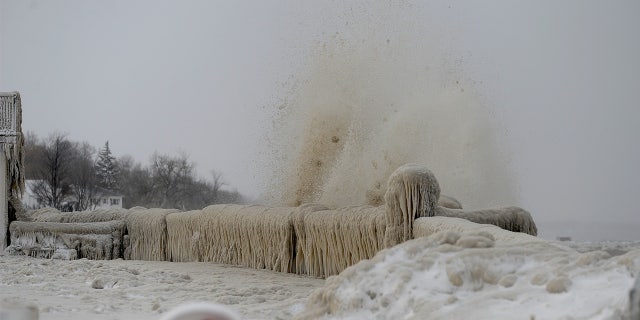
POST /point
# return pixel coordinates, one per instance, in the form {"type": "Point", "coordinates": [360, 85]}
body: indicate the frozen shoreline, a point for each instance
{"type": "Point", "coordinates": [144, 290]}
{"type": "Point", "coordinates": [134, 289]}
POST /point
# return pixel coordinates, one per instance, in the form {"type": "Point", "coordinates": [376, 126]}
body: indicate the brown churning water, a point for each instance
{"type": "Point", "coordinates": [377, 94]}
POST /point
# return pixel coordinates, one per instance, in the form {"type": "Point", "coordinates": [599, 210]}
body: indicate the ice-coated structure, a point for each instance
{"type": "Point", "coordinates": [11, 155]}
{"type": "Point", "coordinates": [309, 239]}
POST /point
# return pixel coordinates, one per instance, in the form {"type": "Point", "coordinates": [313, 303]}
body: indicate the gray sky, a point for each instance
{"type": "Point", "coordinates": [202, 77]}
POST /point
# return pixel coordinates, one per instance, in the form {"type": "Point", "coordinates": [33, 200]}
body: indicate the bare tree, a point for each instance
{"type": "Point", "coordinates": [83, 177]}
{"type": "Point", "coordinates": [54, 174]}
{"type": "Point", "coordinates": [65, 176]}
{"type": "Point", "coordinates": [171, 179]}
{"type": "Point", "coordinates": [216, 184]}
{"type": "Point", "coordinates": [135, 183]}
{"type": "Point", "coordinates": [33, 155]}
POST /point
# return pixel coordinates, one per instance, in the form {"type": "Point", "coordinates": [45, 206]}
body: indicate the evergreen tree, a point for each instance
{"type": "Point", "coordinates": [106, 170]}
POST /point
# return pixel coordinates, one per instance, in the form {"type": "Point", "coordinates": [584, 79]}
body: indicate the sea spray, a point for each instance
{"type": "Point", "coordinates": [381, 91]}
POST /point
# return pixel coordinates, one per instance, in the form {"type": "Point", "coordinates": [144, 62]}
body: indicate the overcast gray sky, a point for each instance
{"type": "Point", "coordinates": [202, 77]}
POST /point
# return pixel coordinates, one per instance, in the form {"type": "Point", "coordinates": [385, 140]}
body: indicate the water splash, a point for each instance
{"type": "Point", "coordinates": [380, 92]}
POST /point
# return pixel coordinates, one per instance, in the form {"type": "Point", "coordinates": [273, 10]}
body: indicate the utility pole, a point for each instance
{"type": "Point", "coordinates": [11, 172]}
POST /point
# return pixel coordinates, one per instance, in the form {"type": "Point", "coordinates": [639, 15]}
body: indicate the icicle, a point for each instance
{"type": "Point", "coordinates": [253, 236]}
{"type": "Point", "coordinates": [148, 233]}
{"type": "Point", "coordinates": [329, 241]}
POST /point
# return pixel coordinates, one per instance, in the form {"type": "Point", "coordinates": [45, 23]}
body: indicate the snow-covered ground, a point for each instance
{"type": "Point", "coordinates": [140, 290]}
{"type": "Point", "coordinates": [449, 275]}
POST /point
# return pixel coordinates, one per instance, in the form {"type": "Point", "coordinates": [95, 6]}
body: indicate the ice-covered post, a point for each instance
{"type": "Point", "coordinates": [412, 192]}
{"type": "Point", "coordinates": [11, 176]}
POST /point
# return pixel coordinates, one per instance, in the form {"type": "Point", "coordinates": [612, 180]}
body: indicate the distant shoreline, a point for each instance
{"type": "Point", "coordinates": [589, 230]}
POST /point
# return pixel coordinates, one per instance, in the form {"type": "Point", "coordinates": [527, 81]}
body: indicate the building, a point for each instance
{"type": "Point", "coordinates": [102, 199]}
{"type": "Point", "coordinates": [107, 199]}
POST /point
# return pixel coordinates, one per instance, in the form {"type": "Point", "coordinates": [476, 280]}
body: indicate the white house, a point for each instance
{"type": "Point", "coordinates": [106, 199]}
{"type": "Point", "coordinates": [29, 200]}
{"type": "Point", "coordinates": [103, 199]}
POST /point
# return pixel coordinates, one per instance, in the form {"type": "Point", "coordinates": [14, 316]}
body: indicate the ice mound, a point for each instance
{"type": "Point", "coordinates": [476, 272]}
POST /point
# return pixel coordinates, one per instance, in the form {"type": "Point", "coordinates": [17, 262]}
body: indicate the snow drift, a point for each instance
{"type": "Point", "coordinates": [460, 267]}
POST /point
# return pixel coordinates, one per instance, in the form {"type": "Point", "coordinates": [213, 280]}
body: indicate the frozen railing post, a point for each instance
{"type": "Point", "coordinates": [11, 176]}
{"type": "Point", "coordinates": [412, 192]}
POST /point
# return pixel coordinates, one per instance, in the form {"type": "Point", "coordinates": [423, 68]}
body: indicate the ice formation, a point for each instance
{"type": "Point", "coordinates": [310, 239]}
{"type": "Point", "coordinates": [100, 215]}
{"type": "Point", "coordinates": [409, 258]}
{"type": "Point", "coordinates": [449, 202]}
{"type": "Point", "coordinates": [91, 240]}
{"type": "Point", "coordinates": [147, 234]}
{"type": "Point", "coordinates": [509, 218]}
{"type": "Point", "coordinates": [253, 236]}
{"type": "Point", "coordinates": [328, 241]}
{"type": "Point", "coordinates": [13, 151]}
{"type": "Point", "coordinates": [412, 192]}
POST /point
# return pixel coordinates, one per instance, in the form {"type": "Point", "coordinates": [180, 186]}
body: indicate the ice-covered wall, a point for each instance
{"type": "Point", "coordinates": [147, 236]}
{"type": "Point", "coordinates": [309, 239]}
{"type": "Point", "coordinates": [329, 241]}
{"type": "Point", "coordinates": [254, 236]}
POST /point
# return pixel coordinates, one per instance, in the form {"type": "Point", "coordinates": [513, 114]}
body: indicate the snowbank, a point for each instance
{"type": "Point", "coordinates": [463, 269]}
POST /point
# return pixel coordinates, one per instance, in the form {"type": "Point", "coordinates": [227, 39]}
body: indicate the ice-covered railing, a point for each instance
{"type": "Point", "coordinates": [10, 116]}
{"type": "Point", "coordinates": [94, 240]}
{"type": "Point", "coordinates": [11, 138]}
{"type": "Point", "coordinates": [414, 193]}
{"type": "Point", "coordinates": [310, 239]}
{"type": "Point", "coordinates": [11, 166]}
